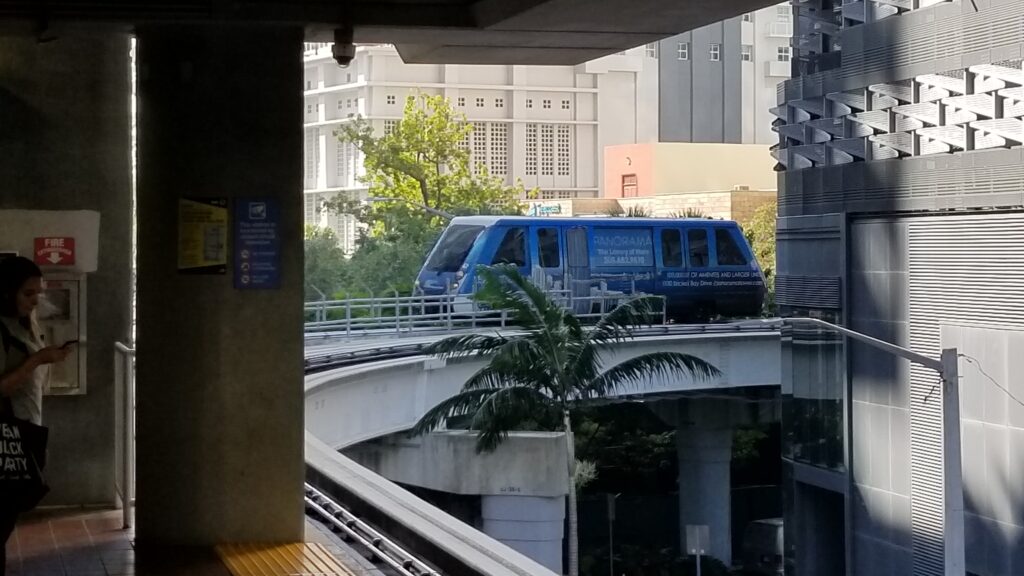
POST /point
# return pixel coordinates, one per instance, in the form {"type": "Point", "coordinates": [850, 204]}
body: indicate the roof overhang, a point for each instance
{"type": "Point", "coordinates": [424, 31]}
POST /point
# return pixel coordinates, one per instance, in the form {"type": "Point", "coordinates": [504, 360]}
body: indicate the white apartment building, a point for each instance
{"type": "Point", "coordinates": [544, 125]}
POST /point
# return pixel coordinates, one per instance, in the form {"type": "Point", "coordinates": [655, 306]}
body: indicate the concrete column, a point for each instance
{"type": "Point", "coordinates": [220, 401]}
{"type": "Point", "coordinates": [530, 525]}
{"type": "Point", "coordinates": [704, 485]}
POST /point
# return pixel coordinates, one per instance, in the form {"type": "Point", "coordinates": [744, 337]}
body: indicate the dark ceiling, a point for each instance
{"type": "Point", "coordinates": [436, 31]}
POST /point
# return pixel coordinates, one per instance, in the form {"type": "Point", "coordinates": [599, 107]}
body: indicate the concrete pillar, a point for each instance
{"type": "Point", "coordinates": [704, 485]}
{"type": "Point", "coordinates": [530, 525]}
{"type": "Point", "coordinates": [220, 371]}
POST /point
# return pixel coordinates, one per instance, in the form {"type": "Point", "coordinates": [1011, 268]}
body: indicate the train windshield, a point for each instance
{"type": "Point", "coordinates": [452, 248]}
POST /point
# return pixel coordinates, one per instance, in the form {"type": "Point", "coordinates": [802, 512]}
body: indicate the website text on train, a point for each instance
{"type": "Point", "coordinates": [702, 268]}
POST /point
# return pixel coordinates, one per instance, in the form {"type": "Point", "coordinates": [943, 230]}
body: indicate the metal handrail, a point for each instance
{"type": "Point", "coordinates": [398, 314]}
{"type": "Point", "coordinates": [124, 380]}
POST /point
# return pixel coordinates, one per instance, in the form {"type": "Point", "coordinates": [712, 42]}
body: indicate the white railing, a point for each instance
{"type": "Point", "coordinates": [397, 314]}
{"type": "Point", "coordinates": [124, 384]}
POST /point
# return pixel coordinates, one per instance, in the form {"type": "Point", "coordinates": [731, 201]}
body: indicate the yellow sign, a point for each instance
{"type": "Point", "coordinates": [203, 235]}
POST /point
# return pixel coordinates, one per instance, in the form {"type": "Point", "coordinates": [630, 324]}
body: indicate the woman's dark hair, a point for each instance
{"type": "Point", "coordinates": [14, 272]}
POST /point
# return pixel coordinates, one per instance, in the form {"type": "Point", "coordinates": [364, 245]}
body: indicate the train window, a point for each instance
{"type": "Point", "coordinates": [729, 253]}
{"type": "Point", "coordinates": [453, 248]}
{"type": "Point", "coordinates": [671, 248]}
{"type": "Point", "coordinates": [547, 240]}
{"type": "Point", "coordinates": [698, 240]}
{"type": "Point", "coordinates": [512, 249]}
{"type": "Point", "coordinates": [576, 252]}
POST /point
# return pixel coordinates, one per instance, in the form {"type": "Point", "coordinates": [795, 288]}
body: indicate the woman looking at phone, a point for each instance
{"type": "Point", "coordinates": [23, 360]}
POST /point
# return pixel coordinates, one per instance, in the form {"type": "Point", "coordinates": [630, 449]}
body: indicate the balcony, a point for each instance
{"type": "Point", "coordinates": [780, 29]}
{"type": "Point", "coordinates": [777, 69]}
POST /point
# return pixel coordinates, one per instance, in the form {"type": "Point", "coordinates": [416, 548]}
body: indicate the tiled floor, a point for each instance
{"type": "Point", "coordinates": [92, 543]}
{"type": "Point", "coordinates": [71, 542]}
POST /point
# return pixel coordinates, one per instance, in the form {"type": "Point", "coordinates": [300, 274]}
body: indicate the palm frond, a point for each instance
{"type": "Point", "coordinates": [619, 324]}
{"type": "Point", "coordinates": [461, 404]}
{"type": "Point", "coordinates": [503, 410]}
{"type": "Point", "coordinates": [504, 288]}
{"type": "Point", "coordinates": [465, 345]}
{"type": "Point", "coordinates": [641, 369]}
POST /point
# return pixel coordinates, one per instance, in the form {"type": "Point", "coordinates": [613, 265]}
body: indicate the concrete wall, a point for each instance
{"type": "Point", "coordinates": [738, 205]}
{"type": "Point", "coordinates": [672, 168]}
{"type": "Point", "coordinates": [525, 464]}
{"type": "Point", "coordinates": [220, 371]}
{"type": "Point", "coordinates": [64, 145]}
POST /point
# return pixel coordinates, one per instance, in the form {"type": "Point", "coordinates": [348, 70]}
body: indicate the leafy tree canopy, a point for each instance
{"type": "Point", "coordinates": [422, 159]}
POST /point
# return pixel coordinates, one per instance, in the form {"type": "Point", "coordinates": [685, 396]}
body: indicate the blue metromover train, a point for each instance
{"type": "Point", "coordinates": [701, 267]}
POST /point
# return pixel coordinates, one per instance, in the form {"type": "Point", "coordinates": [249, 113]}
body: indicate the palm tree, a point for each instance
{"type": "Point", "coordinates": [550, 364]}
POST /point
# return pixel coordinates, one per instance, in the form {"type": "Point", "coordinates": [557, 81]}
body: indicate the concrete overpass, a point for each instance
{"type": "Point", "coordinates": [522, 485]}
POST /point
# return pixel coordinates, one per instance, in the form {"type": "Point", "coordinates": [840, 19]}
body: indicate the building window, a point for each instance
{"type": "Point", "coordinates": [529, 102]}
{"type": "Point", "coordinates": [348, 78]}
{"type": "Point", "coordinates": [564, 150]}
{"type": "Point", "coordinates": [341, 104]}
{"type": "Point", "coordinates": [547, 150]}
{"type": "Point", "coordinates": [462, 101]}
{"type": "Point", "coordinates": [746, 53]}
{"type": "Point", "coordinates": [715, 52]}
{"type": "Point", "coordinates": [309, 84]}
{"type": "Point", "coordinates": [782, 13]}
{"type": "Point", "coordinates": [389, 127]}
{"type": "Point", "coordinates": [547, 104]}
{"type": "Point", "coordinates": [748, 17]}
{"type": "Point", "coordinates": [478, 148]}
{"type": "Point", "coordinates": [479, 102]}
{"type": "Point", "coordinates": [498, 143]}
{"type": "Point", "coordinates": [531, 149]}
{"type": "Point", "coordinates": [683, 50]}
{"type": "Point", "coordinates": [629, 186]}
{"type": "Point", "coordinates": [499, 102]}
{"type": "Point", "coordinates": [309, 108]}
{"type": "Point", "coordinates": [785, 53]}
{"type": "Point", "coordinates": [565, 104]}
{"type": "Point", "coordinates": [312, 153]}
{"type": "Point", "coordinates": [651, 50]}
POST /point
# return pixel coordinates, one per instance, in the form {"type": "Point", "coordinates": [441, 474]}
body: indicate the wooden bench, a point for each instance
{"type": "Point", "coordinates": [298, 559]}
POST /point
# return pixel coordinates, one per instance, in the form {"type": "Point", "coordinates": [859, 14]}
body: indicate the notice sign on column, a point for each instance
{"type": "Point", "coordinates": [202, 235]}
{"type": "Point", "coordinates": [257, 243]}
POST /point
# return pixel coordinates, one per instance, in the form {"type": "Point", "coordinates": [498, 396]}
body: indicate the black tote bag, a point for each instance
{"type": "Point", "coordinates": [22, 457]}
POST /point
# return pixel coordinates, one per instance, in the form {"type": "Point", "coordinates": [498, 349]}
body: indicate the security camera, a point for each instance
{"type": "Point", "coordinates": [344, 51]}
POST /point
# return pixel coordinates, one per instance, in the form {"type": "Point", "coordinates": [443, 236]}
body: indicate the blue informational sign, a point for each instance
{"type": "Point", "coordinates": [622, 247]}
{"type": "Point", "coordinates": [257, 243]}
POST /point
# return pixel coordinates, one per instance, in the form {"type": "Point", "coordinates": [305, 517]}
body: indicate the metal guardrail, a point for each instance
{"type": "Point", "coordinates": [398, 314]}
{"type": "Point", "coordinates": [340, 520]}
{"type": "Point", "coordinates": [124, 385]}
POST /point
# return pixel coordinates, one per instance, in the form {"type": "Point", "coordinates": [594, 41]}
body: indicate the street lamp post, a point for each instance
{"type": "Point", "coordinates": [952, 481]}
{"type": "Point", "coordinates": [427, 209]}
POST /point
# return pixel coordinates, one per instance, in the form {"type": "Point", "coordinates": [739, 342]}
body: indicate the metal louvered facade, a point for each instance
{"type": "Point", "coordinates": [963, 270]}
{"type": "Point", "coordinates": [901, 185]}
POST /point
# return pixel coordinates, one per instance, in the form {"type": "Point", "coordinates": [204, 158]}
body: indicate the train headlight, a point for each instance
{"type": "Point", "coordinates": [460, 274]}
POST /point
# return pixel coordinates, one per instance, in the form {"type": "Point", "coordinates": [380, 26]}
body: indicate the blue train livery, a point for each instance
{"type": "Point", "coordinates": [701, 267]}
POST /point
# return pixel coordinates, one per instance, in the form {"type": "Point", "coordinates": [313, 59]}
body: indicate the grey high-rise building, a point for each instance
{"type": "Point", "coordinates": [718, 83]}
{"type": "Point", "coordinates": [901, 214]}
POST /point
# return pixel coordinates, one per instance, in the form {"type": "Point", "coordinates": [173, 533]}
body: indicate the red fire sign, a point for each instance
{"type": "Point", "coordinates": [55, 251]}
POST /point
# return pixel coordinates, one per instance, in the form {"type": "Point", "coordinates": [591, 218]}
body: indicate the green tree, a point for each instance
{"type": "Point", "coordinates": [551, 365]}
{"type": "Point", "coordinates": [324, 263]}
{"type": "Point", "coordinates": [422, 159]}
{"type": "Point", "coordinates": [760, 232]}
